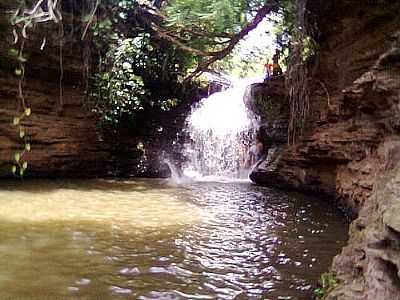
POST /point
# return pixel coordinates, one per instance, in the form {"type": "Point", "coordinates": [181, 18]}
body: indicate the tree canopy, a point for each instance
{"type": "Point", "coordinates": [149, 51]}
{"type": "Point", "coordinates": [210, 30]}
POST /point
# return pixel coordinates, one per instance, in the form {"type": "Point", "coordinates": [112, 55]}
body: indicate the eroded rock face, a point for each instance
{"type": "Point", "coordinates": [67, 140]}
{"type": "Point", "coordinates": [352, 150]}
{"type": "Point", "coordinates": [353, 103]}
{"type": "Point", "coordinates": [269, 101]}
{"type": "Point", "coordinates": [369, 267]}
{"type": "Point", "coordinates": [59, 143]}
{"type": "Point", "coordinates": [71, 143]}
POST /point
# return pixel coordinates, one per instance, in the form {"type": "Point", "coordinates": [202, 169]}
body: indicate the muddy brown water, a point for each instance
{"type": "Point", "coordinates": [148, 239]}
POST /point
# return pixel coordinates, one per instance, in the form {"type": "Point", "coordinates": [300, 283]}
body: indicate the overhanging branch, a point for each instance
{"type": "Point", "coordinates": [151, 18]}
{"type": "Point", "coordinates": [261, 13]}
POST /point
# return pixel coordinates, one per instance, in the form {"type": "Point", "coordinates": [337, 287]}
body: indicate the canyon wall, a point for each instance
{"type": "Point", "coordinates": [353, 103]}
{"type": "Point", "coordinates": [66, 138]}
{"type": "Point", "coordinates": [352, 145]}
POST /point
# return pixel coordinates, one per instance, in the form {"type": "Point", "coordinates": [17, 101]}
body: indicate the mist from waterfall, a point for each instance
{"type": "Point", "coordinates": [220, 133]}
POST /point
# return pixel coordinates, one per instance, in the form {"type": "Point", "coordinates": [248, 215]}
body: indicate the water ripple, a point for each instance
{"type": "Point", "coordinates": [147, 240]}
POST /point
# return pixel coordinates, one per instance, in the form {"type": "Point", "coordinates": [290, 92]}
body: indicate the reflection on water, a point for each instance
{"type": "Point", "coordinates": [147, 240]}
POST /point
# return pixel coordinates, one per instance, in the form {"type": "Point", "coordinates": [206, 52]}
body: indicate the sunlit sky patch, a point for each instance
{"type": "Point", "coordinates": [261, 37]}
{"type": "Point", "coordinates": [258, 46]}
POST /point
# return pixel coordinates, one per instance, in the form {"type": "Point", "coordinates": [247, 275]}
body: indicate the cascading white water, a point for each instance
{"type": "Point", "coordinates": [220, 132]}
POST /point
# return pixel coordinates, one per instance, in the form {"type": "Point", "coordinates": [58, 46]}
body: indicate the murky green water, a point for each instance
{"type": "Point", "coordinates": [101, 239]}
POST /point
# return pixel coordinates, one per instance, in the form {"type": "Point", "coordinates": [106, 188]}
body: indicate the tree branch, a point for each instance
{"type": "Point", "coordinates": [207, 34]}
{"type": "Point", "coordinates": [164, 34]}
{"type": "Point", "coordinates": [152, 17]}
{"type": "Point", "coordinates": [215, 56]}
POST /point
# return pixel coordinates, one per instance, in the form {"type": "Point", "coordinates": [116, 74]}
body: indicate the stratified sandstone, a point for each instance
{"type": "Point", "coordinates": [66, 138]}
{"type": "Point", "coordinates": [353, 104]}
{"type": "Point", "coordinates": [352, 144]}
{"type": "Point", "coordinates": [368, 267]}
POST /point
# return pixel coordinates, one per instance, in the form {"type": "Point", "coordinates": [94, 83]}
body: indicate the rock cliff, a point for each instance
{"type": "Point", "coordinates": [66, 138]}
{"type": "Point", "coordinates": [353, 103]}
{"type": "Point", "coordinates": [368, 267]}
{"type": "Point", "coordinates": [352, 144]}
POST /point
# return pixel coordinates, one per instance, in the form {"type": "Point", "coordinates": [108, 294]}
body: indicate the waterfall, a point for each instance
{"type": "Point", "coordinates": [220, 132]}
{"type": "Point", "coordinates": [175, 174]}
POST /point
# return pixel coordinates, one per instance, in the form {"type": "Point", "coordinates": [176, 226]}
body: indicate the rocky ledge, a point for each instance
{"type": "Point", "coordinates": [69, 143]}
{"type": "Point", "coordinates": [351, 150]}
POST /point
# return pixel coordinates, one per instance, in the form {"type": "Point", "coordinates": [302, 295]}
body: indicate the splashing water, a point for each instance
{"type": "Point", "coordinates": [220, 130]}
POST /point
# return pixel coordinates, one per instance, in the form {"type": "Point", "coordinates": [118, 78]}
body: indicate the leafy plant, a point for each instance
{"type": "Point", "coordinates": [20, 165]}
{"type": "Point", "coordinates": [119, 90]}
{"type": "Point", "coordinates": [328, 282]}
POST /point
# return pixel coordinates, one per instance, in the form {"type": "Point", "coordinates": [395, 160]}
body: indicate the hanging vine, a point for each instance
{"type": "Point", "coordinates": [303, 46]}
{"type": "Point", "coordinates": [23, 20]}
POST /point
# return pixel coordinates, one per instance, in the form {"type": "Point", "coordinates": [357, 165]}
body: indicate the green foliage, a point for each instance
{"type": "Point", "coordinates": [135, 71]}
{"type": "Point", "coordinates": [286, 25]}
{"type": "Point", "coordinates": [168, 104]}
{"type": "Point", "coordinates": [104, 32]}
{"type": "Point", "coordinates": [310, 48]}
{"type": "Point", "coordinates": [138, 73]}
{"type": "Point", "coordinates": [328, 283]}
{"type": "Point", "coordinates": [20, 165]}
{"type": "Point", "coordinates": [207, 15]}
{"type": "Point", "coordinates": [291, 32]}
{"type": "Point", "coordinates": [208, 24]}
{"type": "Point", "coordinates": [119, 90]}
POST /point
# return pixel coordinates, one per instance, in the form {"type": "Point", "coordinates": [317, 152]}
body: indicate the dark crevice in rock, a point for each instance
{"type": "Point", "coordinates": [391, 270]}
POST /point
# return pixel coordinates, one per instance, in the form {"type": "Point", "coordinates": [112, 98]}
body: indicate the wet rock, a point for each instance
{"type": "Point", "coordinates": [351, 148]}
{"type": "Point", "coordinates": [269, 101]}
{"type": "Point", "coordinates": [368, 268]}
{"type": "Point", "coordinates": [354, 109]}
{"type": "Point", "coordinates": [265, 172]}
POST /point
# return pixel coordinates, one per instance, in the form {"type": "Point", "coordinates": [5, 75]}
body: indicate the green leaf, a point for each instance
{"type": "Point", "coordinates": [28, 111]}
{"type": "Point", "coordinates": [86, 18]}
{"type": "Point", "coordinates": [25, 165]}
{"type": "Point", "coordinates": [14, 169]}
{"type": "Point", "coordinates": [16, 121]}
{"type": "Point", "coordinates": [22, 59]}
{"type": "Point", "coordinates": [18, 72]}
{"type": "Point", "coordinates": [28, 147]}
{"type": "Point", "coordinates": [17, 157]}
{"type": "Point", "coordinates": [13, 52]}
{"type": "Point", "coordinates": [21, 133]}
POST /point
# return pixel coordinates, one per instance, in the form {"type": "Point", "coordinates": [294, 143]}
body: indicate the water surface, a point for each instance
{"type": "Point", "coordinates": [146, 239]}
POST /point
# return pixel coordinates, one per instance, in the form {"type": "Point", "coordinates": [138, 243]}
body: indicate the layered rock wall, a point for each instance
{"type": "Point", "coordinates": [352, 149]}
{"type": "Point", "coordinates": [353, 102]}
{"type": "Point", "coordinates": [66, 138]}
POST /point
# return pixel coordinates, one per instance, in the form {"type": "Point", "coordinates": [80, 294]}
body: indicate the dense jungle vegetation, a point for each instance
{"type": "Point", "coordinates": [143, 58]}
{"type": "Point", "coordinates": [149, 53]}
